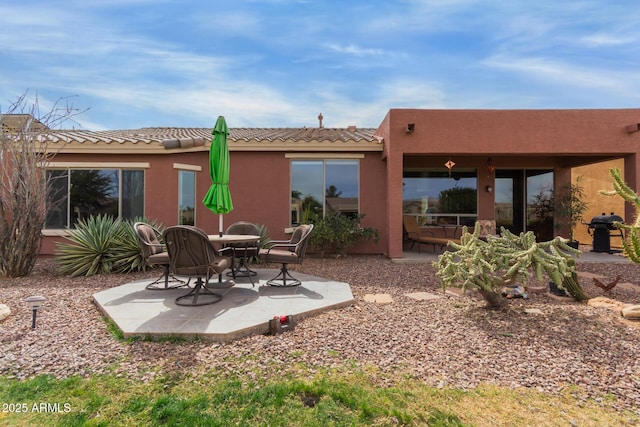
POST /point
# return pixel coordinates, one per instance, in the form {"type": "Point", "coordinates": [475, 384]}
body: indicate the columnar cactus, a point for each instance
{"type": "Point", "coordinates": [488, 264]}
{"type": "Point", "coordinates": [631, 243]}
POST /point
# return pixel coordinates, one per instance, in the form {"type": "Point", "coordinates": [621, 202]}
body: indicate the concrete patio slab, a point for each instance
{"type": "Point", "coordinates": [244, 310]}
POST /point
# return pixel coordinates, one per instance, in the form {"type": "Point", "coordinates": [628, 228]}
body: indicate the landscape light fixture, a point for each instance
{"type": "Point", "coordinates": [34, 303]}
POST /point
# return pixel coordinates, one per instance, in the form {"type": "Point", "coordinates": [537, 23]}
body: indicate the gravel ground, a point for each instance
{"type": "Point", "coordinates": [450, 341]}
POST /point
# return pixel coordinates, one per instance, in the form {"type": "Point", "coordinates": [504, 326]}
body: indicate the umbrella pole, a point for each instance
{"type": "Point", "coordinates": [220, 234]}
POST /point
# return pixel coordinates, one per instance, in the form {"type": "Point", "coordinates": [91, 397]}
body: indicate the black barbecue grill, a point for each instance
{"type": "Point", "coordinates": [602, 227]}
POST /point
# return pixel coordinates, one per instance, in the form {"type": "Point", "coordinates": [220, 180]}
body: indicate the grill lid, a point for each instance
{"type": "Point", "coordinates": [605, 221]}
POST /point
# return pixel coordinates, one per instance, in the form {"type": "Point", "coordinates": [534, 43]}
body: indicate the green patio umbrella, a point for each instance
{"type": "Point", "coordinates": [218, 198]}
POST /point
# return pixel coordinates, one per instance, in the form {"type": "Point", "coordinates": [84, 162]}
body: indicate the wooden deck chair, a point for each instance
{"type": "Point", "coordinates": [415, 234]}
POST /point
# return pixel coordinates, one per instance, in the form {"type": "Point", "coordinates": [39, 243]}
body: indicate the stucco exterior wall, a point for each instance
{"type": "Point", "coordinates": [596, 177]}
{"type": "Point", "coordinates": [556, 139]}
{"type": "Point", "coordinates": [260, 189]}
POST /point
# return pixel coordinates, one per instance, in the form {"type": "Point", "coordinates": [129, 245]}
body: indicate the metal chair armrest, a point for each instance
{"type": "Point", "coordinates": [286, 245]}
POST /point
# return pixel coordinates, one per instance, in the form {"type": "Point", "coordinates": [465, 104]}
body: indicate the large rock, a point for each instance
{"type": "Point", "coordinates": [607, 303]}
{"type": "Point", "coordinates": [5, 311]}
{"type": "Point", "coordinates": [631, 312]}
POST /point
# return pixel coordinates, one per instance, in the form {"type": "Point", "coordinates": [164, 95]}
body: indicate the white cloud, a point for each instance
{"type": "Point", "coordinates": [280, 63]}
{"type": "Point", "coordinates": [352, 49]}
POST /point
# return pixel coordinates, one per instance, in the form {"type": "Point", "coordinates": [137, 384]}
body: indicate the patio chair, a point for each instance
{"type": "Point", "coordinates": [243, 251]}
{"type": "Point", "coordinates": [154, 254]}
{"type": "Point", "coordinates": [192, 254]}
{"type": "Point", "coordinates": [286, 252]}
{"type": "Point", "coordinates": [415, 234]}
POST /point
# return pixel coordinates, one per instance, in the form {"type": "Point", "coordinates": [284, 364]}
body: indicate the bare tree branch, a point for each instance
{"type": "Point", "coordinates": [25, 188]}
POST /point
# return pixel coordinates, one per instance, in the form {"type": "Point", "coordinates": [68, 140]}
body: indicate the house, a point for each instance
{"type": "Point", "coordinates": [163, 174]}
{"type": "Point", "coordinates": [447, 167]}
{"type": "Point", "coordinates": [512, 158]}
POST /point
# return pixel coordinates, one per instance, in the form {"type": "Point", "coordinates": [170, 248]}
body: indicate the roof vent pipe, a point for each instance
{"type": "Point", "coordinates": [320, 120]}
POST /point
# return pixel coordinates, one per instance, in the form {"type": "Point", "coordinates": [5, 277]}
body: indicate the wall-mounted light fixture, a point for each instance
{"type": "Point", "coordinates": [34, 304]}
{"type": "Point", "coordinates": [633, 128]}
{"type": "Point", "coordinates": [411, 127]}
{"type": "Point", "coordinates": [450, 164]}
{"type": "Point", "coordinates": [489, 188]}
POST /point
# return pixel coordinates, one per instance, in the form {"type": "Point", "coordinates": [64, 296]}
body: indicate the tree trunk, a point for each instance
{"type": "Point", "coordinates": [494, 300]}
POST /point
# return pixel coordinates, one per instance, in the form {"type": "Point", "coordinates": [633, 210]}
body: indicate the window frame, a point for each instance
{"type": "Point", "coordinates": [69, 167]}
{"type": "Point", "coordinates": [181, 173]}
{"type": "Point", "coordinates": [435, 217]}
{"type": "Point", "coordinates": [323, 158]}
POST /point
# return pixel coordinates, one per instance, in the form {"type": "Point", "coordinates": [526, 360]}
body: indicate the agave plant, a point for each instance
{"type": "Point", "coordinates": [100, 244]}
{"type": "Point", "coordinates": [90, 249]}
{"type": "Point", "coordinates": [126, 251]}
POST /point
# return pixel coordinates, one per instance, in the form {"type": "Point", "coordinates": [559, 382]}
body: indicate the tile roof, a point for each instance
{"type": "Point", "coordinates": [20, 123]}
{"type": "Point", "coordinates": [302, 134]}
{"type": "Point", "coordinates": [239, 138]}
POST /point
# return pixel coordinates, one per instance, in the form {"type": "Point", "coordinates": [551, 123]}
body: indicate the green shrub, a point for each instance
{"type": "Point", "coordinates": [336, 234]}
{"type": "Point", "coordinates": [100, 244]}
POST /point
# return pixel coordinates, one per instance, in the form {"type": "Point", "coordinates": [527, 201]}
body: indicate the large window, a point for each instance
{"type": "Point", "coordinates": [322, 186]}
{"type": "Point", "coordinates": [76, 194]}
{"type": "Point", "coordinates": [186, 197]}
{"type": "Point", "coordinates": [437, 197]}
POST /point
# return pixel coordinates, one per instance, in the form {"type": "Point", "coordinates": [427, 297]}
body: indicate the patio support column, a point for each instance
{"type": "Point", "coordinates": [562, 177]}
{"type": "Point", "coordinates": [394, 203]}
{"type": "Point", "coordinates": [486, 199]}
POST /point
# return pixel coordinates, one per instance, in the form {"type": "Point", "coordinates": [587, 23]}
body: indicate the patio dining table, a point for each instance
{"type": "Point", "coordinates": [235, 239]}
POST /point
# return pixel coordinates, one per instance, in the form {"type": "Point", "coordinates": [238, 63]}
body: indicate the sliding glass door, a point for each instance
{"type": "Point", "coordinates": [524, 201]}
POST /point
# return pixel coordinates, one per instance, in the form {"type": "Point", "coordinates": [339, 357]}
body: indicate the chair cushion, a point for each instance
{"type": "Point", "coordinates": [278, 255]}
{"type": "Point", "coordinates": [297, 234]}
{"type": "Point", "coordinates": [221, 264]}
{"type": "Point", "coordinates": [159, 258]}
{"type": "Point", "coordinates": [148, 235]}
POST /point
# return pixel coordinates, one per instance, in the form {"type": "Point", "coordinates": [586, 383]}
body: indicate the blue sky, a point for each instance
{"type": "Point", "coordinates": [279, 63]}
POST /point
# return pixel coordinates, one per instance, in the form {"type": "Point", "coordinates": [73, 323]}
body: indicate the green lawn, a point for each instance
{"type": "Point", "coordinates": [312, 398]}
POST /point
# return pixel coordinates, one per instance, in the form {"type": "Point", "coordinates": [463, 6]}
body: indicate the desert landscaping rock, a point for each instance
{"type": "Point", "coordinates": [628, 286]}
{"type": "Point", "coordinates": [5, 311]}
{"type": "Point", "coordinates": [378, 298]}
{"type": "Point", "coordinates": [631, 312]}
{"type": "Point", "coordinates": [451, 342]}
{"type": "Point", "coordinates": [606, 302]}
{"type": "Point", "coordinates": [423, 296]}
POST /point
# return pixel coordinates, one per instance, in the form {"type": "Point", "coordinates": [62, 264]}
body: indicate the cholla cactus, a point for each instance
{"type": "Point", "coordinates": [488, 264]}
{"type": "Point", "coordinates": [631, 243]}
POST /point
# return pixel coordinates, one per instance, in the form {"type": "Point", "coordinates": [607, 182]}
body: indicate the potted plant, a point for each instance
{"type": "Point", "coordinates": [570, 205]}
